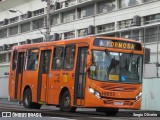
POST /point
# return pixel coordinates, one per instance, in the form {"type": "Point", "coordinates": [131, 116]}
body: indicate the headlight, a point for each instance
{"type": "Point", "coordinates": [138, 96]}
{"type": "Point", "coordinates": [91, 90]}
{"type": "Point", "coordinates": [94, 92]}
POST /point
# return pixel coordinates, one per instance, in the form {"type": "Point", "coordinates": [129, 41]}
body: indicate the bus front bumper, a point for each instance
{"type": "Point", "coordinates": [93, 101]}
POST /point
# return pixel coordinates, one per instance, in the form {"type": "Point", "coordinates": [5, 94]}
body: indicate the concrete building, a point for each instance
{"type": "Point", "coordinates": [134, 19]}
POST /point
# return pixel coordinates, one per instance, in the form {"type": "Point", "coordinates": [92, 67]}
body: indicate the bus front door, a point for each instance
{"type": "Point", "coordinates": [43, 75]}
{"type": "Point", "coordinates": [80, 78]}
{"type": "Point", "coordinates": [19, 75]}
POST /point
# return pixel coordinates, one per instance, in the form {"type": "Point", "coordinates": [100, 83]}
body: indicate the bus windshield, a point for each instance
{"type": "Point", "coordinates": [116, 67]}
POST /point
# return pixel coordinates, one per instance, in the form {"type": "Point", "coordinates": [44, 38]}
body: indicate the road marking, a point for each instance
{"type": "Point", "coordinates": [114, 118]}
{"type": "Point", "coordinates": [60, 118]}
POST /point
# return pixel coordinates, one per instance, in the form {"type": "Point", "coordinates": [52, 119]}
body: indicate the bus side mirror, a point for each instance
{"type": "Point", "coordinates": [89, 59]}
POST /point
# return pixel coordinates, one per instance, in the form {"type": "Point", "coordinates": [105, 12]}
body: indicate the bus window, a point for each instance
{"type": "Point", "coordinates": [69, 57]}
{"type": "Point", "coordinates": [116, 67]}
{"type": "Point", "coordinates": [57, 58]}
{"type": "Point", "coordinates": [32, 59]}
{"type": "Point", "coordinates": [14, 60]}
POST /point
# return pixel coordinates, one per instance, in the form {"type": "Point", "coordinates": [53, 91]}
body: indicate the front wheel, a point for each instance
{"type": "Point", "coordinates": [65, 103]}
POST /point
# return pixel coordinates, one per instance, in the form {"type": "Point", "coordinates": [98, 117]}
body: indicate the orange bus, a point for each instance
{"type": "Point", "coordinates": [93, 72]}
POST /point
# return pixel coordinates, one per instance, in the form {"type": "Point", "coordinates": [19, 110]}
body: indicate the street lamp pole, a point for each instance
{"type": "Point", "coordinates": [48, 20]}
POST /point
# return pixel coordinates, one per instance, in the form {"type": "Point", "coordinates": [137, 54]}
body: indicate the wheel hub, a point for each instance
{"type": "Point", "coordinates": [67, 102]}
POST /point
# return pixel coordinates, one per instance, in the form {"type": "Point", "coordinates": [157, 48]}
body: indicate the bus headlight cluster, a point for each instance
{"type": "Point", "coordinates": [138, 96]}
{"type": "Point", "coordinates": [94, 92]}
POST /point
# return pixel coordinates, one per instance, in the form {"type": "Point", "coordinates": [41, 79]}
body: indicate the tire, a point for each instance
{"type": "Point", "coordinates": [27, 100]}
{"type": "Point", "coordinates": [65, 102]}
{"type": "Point", "coordinates": [108, 111]}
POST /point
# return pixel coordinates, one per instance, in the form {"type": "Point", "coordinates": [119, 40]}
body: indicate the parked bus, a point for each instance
{"type": "Point", "coordinates": [94, 72]}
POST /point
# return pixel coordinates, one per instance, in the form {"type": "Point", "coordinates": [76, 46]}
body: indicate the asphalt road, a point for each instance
{"type": "Point", "coordinates": [50, 112]}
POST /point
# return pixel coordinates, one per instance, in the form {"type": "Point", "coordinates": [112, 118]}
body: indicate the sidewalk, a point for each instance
{"type": "Point", "coordinates": [6, 101]}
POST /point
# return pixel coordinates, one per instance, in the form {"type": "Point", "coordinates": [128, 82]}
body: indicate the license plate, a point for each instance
{"type": "Point", "coordinates": [118, 103]}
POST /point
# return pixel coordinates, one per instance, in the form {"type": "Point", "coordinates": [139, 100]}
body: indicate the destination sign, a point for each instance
{"type": "Point", "coordinates": [117, 44]}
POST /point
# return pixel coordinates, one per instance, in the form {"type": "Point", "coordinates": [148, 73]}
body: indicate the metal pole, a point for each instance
{"type": "Point", "coordinates": [157, 49]}
{"type": "Point", "coordinates": [48, 20]}
{"type": "Point", "coordinates": [144, 42]}
{"type": "Point", "coordinates": [157, 41]}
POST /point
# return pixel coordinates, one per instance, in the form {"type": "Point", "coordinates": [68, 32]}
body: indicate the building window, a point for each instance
{"type": "Point", "coordinates": [55, 19]}
{"type": "Point", "coordinates": [15, 19]}
{"type": "Point", "coordinates": [38, 23]}
{"type": "Point", "coordinates": [38, 12]}
{"type": "Point", "coordinates": [24, 16]}
{"type": "Point", "coordinates": [135, 35]}
{"type": "Point", "coordinates": [149, 0]}
{"type": "Point", "coordinates": [38, 40]}
{"type": "Point", "coordinates": [3, 33]}
{"type": "Point", "coordinates": [58, 58]}
{"type": "Point", "coordinates": [131, 35]}
{"type": "Point", "coordinates": [85, 11]}
{"type": "Point", "coordinates": [23, 42]}
{"type": "Point", "coordinates": [68, 16]}
{"type": "Point", "coordinates": [68, 35]}
{"type": "Point", "coordinates": [1, 48]}
{"type": "Point", "coordinates": [32, 59]}
{"type": "Point", "coordinates": [25, 27]}
{"type": "Point", "coordinates": [13, 30]}
{"type": "Point", "coordinates": [69, 57]}
{"type": "Point", "coordinates": [126, 34]}
{"type": "Point", "coordinates": [125, 24]}
{"type": "Point", "coordinates": [3, 58]}
{"type": "Point", "coordinates": [128, 3]}
{"type": "Point", "coordinates": [70, 3]}
{"type": "Point", "coordinates": [1, 23]}
{"type": "Point", "coordinates": [106, 6]}
{"type": "Point", "coordinates": [106, 27]}
{"type": "Point", "coordinates": [152, 19]}
{"type": "Point", "coordinates": [67, 3]}
{"type": "Point", "coordinates": [151, 35]}
{"type": "Point", "coordinates": [83, 1]}
{"type": "Point", "coordinates": [82, 32]}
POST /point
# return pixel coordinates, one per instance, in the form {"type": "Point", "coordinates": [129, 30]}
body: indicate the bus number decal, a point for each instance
{"type": "Point", "coordinates": [111, 94]}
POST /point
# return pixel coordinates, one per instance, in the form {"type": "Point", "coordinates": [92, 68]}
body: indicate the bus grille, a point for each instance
{"type": "Point", "coordinates": [119, 88]}
{"type": "Point", "coordinates": [111, 102]}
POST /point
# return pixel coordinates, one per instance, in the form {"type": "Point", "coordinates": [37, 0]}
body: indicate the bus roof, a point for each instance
{"type": "Point", "coordinates": [72, 41]}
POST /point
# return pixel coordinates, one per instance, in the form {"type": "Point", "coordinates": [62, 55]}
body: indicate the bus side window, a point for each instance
{"type": "Point", "coordinates": [69, 57]}
{"type": "Point", "coordinates": [14, 60]}
{"type": "Point", "coordinates": [32, 59]}
{"type": "Point", "coordinates": [57, 58]}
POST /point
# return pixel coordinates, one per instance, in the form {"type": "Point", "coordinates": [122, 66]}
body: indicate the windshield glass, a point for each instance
{"type": "Point", "coordinates": [116, 67]}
